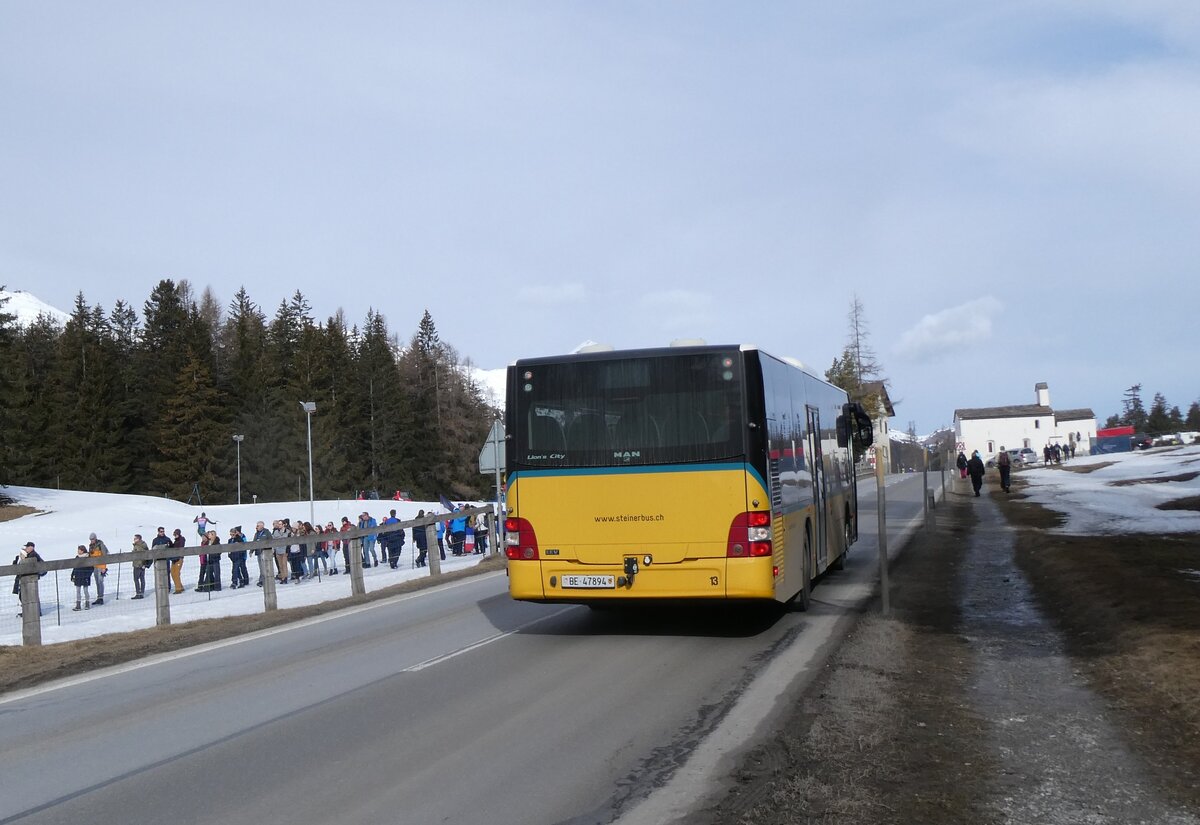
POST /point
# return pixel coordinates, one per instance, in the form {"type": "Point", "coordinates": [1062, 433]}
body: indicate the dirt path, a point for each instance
{"type": "Point", "coordinates": [1061, 758]}
{"type": "Point", "coordinates": [963, 707]}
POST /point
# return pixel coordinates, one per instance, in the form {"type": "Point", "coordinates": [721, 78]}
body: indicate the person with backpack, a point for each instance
{"type": "Point", "coordinates": [1004, 465]}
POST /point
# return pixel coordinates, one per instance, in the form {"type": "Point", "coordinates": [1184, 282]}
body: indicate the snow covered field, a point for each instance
{"type": "Point", "coordinates": [1123, 497]}
{"type": "Point", "coordinates": [65, 519]}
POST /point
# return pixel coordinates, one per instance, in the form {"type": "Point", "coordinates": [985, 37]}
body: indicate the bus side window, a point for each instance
{"type": "Point", "coordinates": [545, 433]}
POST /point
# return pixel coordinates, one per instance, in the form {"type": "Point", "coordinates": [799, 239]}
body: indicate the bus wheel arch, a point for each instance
{"type": "Point", "coordinates": [802, 599]}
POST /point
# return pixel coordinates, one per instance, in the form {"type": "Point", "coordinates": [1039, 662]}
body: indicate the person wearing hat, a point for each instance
{"type": "Point", "coordinates": [96, 547]}
{"type": "Point", "coordinates": [26, 553]}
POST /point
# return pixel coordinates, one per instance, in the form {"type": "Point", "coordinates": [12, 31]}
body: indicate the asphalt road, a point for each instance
{"type": "Point", "coordinates": [453, 705]}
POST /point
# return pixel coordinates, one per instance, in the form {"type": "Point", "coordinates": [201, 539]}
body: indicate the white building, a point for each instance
{"type": "Point", "coordinates": [990, 429]}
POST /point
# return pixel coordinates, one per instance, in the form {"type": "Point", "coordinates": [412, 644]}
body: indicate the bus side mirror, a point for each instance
{"type": "Point", "coordinates": [864, 430]}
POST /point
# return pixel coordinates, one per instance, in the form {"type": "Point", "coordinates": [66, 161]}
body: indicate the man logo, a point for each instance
{"type": "Point", "coordinates": [627, 455]}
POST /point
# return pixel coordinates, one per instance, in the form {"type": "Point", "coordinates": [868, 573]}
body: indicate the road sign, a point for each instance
{"type": "Point", "coordinates": [491, 456]}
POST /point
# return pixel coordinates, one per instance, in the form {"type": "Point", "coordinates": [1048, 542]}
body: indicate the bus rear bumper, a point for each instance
{"type": "Point", "coordinates": [718, 578]}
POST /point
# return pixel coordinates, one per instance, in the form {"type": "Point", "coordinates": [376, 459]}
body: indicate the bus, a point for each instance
{"type": "Point", "coordinates": [681, 473]}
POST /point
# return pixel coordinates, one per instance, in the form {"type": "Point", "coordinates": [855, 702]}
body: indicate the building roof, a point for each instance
{"type": "Point", "coordinates": [1011, 411]}
{"type": "Point", "coordinates": [1041, 385]}
{"type": "Point", "coordinates": [1074, 415]}
{"type": "Point", "coordinates": [878, 388]}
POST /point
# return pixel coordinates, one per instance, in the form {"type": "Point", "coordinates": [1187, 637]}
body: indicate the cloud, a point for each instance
{"type": "Point", "coordinates": [552, 294]}
{"type": "Point", "coordinates": [962, 326]}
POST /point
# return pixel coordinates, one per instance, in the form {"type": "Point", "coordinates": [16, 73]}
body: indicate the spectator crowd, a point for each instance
{"type": "Point", "coordinates": [313, 550]}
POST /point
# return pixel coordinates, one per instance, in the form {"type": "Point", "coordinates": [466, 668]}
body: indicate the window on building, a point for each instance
{"type": "Point", "coordinates": [1037, 425]}
{"type": "Point", "coordinates": [991, 449]}
{"type": "Point", "coordinates": [1027, 444]}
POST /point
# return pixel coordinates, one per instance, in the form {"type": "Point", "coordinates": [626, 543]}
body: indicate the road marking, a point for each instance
{"type": "Point", "coordinates": [436, 660]}
{"type": "Point", "coordinates": [163, 658]}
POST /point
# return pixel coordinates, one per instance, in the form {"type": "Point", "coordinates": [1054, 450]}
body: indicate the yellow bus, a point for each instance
{"type": "Point", "coordinates": [699, 472]}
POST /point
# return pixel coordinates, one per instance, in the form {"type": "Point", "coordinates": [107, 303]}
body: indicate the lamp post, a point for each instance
{"type": "Point", "coordinates": [238, 440]}
{"type": "Point", "coordinates": [309, 408]}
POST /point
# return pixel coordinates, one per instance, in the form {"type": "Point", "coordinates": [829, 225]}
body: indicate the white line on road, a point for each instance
{"type": "Point", "coordinates": [476, 645]}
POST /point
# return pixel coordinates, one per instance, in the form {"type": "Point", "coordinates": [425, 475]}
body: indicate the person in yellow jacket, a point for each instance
{"type": "Point", "coordinates": [96, 547]}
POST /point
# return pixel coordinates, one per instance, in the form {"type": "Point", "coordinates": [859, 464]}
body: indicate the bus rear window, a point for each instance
{"type": "Point", "coordinates": [615, 412]}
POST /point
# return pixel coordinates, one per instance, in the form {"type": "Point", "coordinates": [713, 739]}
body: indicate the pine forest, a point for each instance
{"type": "Point", "coordinates": [114, 402]}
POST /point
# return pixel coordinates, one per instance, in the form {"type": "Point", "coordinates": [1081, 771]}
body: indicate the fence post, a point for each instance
{"type": "Point", "coordinates": [31, 607]}
{"type": "Point", "coordinates": [434, 555]}
{"type": "Point", "coordinates": [358, 587]}
{"type": "Point", "coordinates": [162, 598]}
{"type": "Point", "coordinates": [266, 569]}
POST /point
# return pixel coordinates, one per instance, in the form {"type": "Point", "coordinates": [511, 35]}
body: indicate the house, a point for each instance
{"type": "Point", "coordinates": [879, 406]}
{"type": "Point", "coordinates": [989, 429]}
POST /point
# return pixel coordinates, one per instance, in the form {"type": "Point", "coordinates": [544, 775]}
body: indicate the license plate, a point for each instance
{"type": "Point", "coordinates": [592, 582]}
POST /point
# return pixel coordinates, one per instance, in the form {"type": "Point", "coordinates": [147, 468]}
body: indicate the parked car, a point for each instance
{"type": "Point", "coordinates": [1028, 456]}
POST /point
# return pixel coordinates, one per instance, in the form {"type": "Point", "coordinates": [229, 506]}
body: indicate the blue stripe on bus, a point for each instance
{"type": "Point", "coordinates": [660, 468]}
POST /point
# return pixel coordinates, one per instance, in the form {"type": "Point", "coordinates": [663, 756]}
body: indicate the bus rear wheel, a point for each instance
{"type": "Point", "coordinates": [802, 599]}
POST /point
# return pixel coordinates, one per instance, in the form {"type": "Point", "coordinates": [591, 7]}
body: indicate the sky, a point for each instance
{"type": "Point", "coordinates": [1010, 188]}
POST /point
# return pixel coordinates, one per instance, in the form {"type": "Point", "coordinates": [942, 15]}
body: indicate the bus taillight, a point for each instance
{"type": "Point", "coordinates": [749, 535]}
{"type": "Point", "coordinates": [520, 540]}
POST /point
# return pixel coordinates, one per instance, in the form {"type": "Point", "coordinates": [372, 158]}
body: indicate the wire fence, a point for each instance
{"type": "Point", "coordinates": [111, 603]}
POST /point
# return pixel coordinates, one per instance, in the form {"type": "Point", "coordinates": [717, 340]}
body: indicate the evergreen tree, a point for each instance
{"type": "Point", "coordinates": [195, 444]}
{"type": "Point", "coordinates": [88, 429]}
{"type": "Point", "coordinates": [243, 337]}
{"type": "Point", "coordinates": [1175, 417]}
{"type": "Point", "coordinates": [1193, 416]}
{"type": "Point", "coordinates": [32, 455]}
{"type": "Point", "coordinates": [1134, 414]}
{"type": "Point", "coordinates": [1158, 421]}
{"type": "Point", "coordinates": [385, 408]}
{"type": "Point", "coordinates": [1112, 421]}
{"type": "Point", "coordinates": [7, 411]}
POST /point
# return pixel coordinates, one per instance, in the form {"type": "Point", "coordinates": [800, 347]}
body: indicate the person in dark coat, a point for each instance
{"type": "Point", "coordinates": [240, 577]}
{"type": "Point", "coordinates": [393, 542]}
{"type": "Point", "coordinates": [975, 471]}
{"type": "Point", "coordinates": [421, 540]}
{"type": "Point", "coordinates": [961, 464]}
{"type": "Point", "coordinates": [81, 577]}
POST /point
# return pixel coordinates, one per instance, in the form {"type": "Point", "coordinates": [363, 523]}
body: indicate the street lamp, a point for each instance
{"type": "Point", "coordinates": [309, 408]}
{"type": "Point", "coordinates": [238, 440]}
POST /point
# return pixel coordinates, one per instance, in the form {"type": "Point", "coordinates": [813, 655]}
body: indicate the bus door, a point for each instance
{"type": "Point", "coordinates": [817, 466]}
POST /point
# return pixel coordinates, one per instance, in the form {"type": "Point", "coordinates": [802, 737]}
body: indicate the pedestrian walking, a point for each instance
{"type": "Point", "coordinates": [975, 471]}
{"type": "Point", "coordinates": [1004, 465]}
{"type": "Point", "coordinates": [961, 463]}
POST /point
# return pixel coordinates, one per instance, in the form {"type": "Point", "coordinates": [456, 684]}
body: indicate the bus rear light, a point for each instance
{"type": "Point", "coordinates": [749, 535]}
{"type": "Point", "coordinates": [520, 540]}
